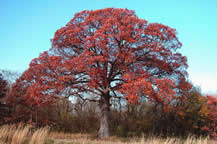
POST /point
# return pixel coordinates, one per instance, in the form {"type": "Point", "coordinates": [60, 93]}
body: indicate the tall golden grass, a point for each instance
{"type": "Point", "coordinates": [12, 134]}
{"type": "Point", "coordinates": [19, 135]}
{"type": "Point", "coordinates": [39, 136]}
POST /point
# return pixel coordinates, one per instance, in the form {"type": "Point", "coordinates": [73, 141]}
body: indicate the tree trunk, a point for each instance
{"type": "Point", "coordinates": [104, 119]}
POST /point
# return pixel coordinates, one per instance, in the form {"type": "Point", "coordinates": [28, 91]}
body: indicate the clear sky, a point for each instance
{"type": "Point", "coordinates": [26, 27]}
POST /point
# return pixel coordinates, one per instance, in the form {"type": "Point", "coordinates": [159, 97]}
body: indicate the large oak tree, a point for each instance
{"type": "Point", "coordinates": [105, 54]}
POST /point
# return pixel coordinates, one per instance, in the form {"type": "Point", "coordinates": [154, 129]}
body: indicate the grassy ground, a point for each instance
{"type": "Point", "coordinates": [61, 138]}
{"type": "Point", "coordinates": [25, 135]}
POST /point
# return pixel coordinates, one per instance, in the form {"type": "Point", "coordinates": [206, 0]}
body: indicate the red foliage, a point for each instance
{"type": "Point", "coordinates": [212, 116]}
{"type": "Point", "coordinates": [108, 53]}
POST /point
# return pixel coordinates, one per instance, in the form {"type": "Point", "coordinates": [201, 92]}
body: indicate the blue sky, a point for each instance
{"type": "Point", "coordinates": [26, 27]}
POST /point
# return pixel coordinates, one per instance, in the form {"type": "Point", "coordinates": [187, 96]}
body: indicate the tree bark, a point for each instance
{"type": "Point", "coordinates": [104, 118]}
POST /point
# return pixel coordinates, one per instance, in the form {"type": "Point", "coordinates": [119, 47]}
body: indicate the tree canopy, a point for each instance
{"type": "Point", "coordinates": [109, 53]}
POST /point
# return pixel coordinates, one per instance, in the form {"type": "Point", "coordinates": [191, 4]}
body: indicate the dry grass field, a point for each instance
{"type": "Point", "coordinates": [24, 135]}
{"type": "Point", "coordinates": [61, 138]}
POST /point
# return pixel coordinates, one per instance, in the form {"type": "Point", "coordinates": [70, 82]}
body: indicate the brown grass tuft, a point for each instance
{"type": "Point", "coordinates": [39, 136]}
{"type": "Point", "coordinates": [11, 134]}
{"type": "Point", "coordinates": [20, 134]}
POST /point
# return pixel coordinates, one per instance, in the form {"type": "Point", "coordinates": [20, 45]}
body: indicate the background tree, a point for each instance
{"type": "Point", "coordinates": [211, 124]}
{"type": "Point", "coordinates": [10, 76]}
{"type": "Point", "coordinates": [3, 87]}
{"type": "Point", "coordinates": [4, 112]}
{"type": "Point", "coordinates": [109, 53]}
